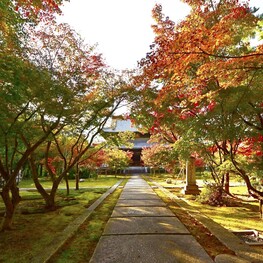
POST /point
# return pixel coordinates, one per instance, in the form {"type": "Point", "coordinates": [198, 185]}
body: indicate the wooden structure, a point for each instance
{"type": "Point", "coordinates": [119, 124]}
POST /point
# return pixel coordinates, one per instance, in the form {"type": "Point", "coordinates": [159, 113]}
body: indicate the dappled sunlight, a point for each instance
{"type": "Point", "coordinates": [192, 120]}
{"type": "Point", "coordinates": [185, 256]}
{"type": "Point", "coordinates": [233, 218]}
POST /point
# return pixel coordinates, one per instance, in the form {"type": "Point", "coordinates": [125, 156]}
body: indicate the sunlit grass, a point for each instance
{"type": "Point", "coordinates": [81, 247]}
{"type": "Point", "coordinates": [239, 190]}
{"type": "Point", "coordinates": [101, 181]}
{"type": "Point", "coordinates": [35, 228]}
{"type": "Point", "coordinates": [243, 215]}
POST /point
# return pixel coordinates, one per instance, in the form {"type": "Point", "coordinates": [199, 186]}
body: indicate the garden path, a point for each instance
{"type": "Point", "coordinates": [143, 229]}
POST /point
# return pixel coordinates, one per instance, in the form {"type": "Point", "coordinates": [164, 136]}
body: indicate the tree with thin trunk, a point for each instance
{"type": "Point", "coordinates": [25, 111]}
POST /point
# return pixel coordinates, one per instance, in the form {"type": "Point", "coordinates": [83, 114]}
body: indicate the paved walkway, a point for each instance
{"type": "Point", "coordinates": [142, 229]}
{"type": "Point", "coordinates": [58, 242]}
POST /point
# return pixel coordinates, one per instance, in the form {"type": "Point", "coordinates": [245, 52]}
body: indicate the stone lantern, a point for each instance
{"type": "Point", "coordinates": [191, 188]}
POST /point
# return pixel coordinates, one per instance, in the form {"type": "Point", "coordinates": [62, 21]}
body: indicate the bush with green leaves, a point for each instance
{"type": "Point", "coordinates": [212, 195]}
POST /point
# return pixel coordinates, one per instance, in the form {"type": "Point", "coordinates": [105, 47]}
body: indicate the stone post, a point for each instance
{"type": "Point", "coordinates": [191, 187]}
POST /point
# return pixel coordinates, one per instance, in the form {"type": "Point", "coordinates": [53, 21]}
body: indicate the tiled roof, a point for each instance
{"type": "Point", "coordinates": [139, 143]}
{"type": "Point", "coordinates": [121, 126]}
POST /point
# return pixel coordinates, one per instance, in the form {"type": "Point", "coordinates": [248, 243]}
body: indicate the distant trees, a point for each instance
{"type": "Point", "coordinates": [160, 156]}
{"type": "Point", "coordinates": [117, 159]}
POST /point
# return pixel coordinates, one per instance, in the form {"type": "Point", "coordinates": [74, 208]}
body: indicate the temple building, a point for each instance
{"type": "Point", "coordinates": [119, 124]}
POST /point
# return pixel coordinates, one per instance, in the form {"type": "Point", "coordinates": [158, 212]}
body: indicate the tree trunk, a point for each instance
{"type": "Point", "coordinates": [67, 184]}
{"type": "Point", "coordinates": [38, 185]}
{"type": "Point", "coordinates": [251, 190]}
{"type": "Point", "coordinates": [227, 183]}
{"type": "Point", "coordinates": [9, 212]}
{"type": "Point", "coordinates": [11, 202]}
{"type": "Point", "coordinates": [77, 177]}
{"type": "Point", "coordinates": [50, 201]}
{"type": "Point", "coordinates": [49, 198]}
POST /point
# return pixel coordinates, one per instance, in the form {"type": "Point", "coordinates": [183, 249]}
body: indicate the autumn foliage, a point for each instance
{"type": "Point", "coordinates": [202, 82]}
{"type": "Point", "coordinates": [56, 95]}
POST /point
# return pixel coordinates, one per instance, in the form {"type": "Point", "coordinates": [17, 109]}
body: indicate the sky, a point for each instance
{"type": "Point", "coordinates": [121, 28]}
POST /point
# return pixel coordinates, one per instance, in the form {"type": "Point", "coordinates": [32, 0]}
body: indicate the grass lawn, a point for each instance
{"type": "Point", "coordinates": [81, 247]}
{"type": "Point", "coordinates": [241, 215]}
{"type": "Point", "coordinates": [34, 227]}
{"type": "Point", "coordinates": [102, 181]}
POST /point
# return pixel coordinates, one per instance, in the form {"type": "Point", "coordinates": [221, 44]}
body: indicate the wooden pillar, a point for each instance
{"type": "Point", "coordinates": [191, 187]}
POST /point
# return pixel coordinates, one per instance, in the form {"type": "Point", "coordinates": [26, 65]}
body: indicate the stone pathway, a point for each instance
{"type": "Point", "coordinates": [142, 229]}
{"type": "Point", "coordinates": [58, 242]}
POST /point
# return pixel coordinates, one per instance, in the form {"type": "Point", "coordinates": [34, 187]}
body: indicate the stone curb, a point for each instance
{"type": "Point", "coordinates": [138, 236]}
{"type": "Point", "coordinates": [70, 230]}
{"type": "Point", "coordinates": [242, 250]}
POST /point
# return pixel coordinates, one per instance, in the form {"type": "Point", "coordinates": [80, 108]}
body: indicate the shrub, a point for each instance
{"type": "Point", "coordinates": [212, 195]}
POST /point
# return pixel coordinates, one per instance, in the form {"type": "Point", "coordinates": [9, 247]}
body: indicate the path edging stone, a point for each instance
{"type": "Point", "coordinates": [133, 234]}
{"type": "Point", "coordinates": [71, 229]}
{"type": "Point", "coordinates": [241, 249]}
